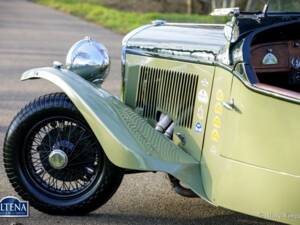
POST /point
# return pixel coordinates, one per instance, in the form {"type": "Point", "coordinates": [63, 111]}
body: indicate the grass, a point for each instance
{"type": "Point", "coordinates": [121, 21]}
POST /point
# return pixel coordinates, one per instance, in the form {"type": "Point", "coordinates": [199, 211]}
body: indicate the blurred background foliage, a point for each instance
{"type": "Point", "coordinates": [124, 15]}
{"type": "Point", "coordinates": [179, 6]}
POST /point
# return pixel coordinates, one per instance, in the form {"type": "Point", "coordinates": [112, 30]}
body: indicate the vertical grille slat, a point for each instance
{"type": "Point", "coordinates": [139, 100]}
{"type": "Point", "coordinates": [163, 90]}
{"type": "Point", "coordinates": [176, 94]}
{"type": "Point", "coordinates": [149, 89]}
{"type": "Point", "coordinates": [184, 100]}
{"type": "Point", "coordinates": [179, 96]}
{"type": "Point", "coordinates": [155, 92]}
{"type": "Point", "coordinates": [150, 93]}
{"type": "Point", "coordinates": [171, 88]}
{"type": "Point", "coordinates": [194, 96]}
{"type": "Point", "coordinates": [161, 80]}
{"type": "Point", "coordinates": [191, 99]}
{"type": "Point", "coordinates": [167, 91]}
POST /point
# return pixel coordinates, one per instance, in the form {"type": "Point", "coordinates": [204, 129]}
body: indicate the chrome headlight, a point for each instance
{"type": "Point", "coordinates": [89, 59]}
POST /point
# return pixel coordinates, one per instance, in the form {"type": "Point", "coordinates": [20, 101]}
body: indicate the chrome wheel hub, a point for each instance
{"type": "Point", "coordinates": [58, 159]}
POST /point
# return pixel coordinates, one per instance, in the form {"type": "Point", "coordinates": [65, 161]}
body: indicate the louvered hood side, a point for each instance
{"type": "Point", "coordinates": [167, 91]}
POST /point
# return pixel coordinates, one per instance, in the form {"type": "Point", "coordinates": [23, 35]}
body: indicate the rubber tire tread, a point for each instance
{"type": "Point", "coordinates": [53, 104]}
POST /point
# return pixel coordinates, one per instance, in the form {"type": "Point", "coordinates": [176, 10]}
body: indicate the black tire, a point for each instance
{"type": "Point", "coordinates": [103, 181]}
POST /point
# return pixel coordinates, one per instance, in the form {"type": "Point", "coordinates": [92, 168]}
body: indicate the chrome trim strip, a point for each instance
{"type": "Point", "coordinates": [142, 52]}
{"type": "Point", "coordinates": [195, 24]}
{"type": "Point", "coordinates": [266, 92]}
{"type": "Point", "coordinates": [252, 87]}
{"type": "Point", "coordinates": [130, 35]}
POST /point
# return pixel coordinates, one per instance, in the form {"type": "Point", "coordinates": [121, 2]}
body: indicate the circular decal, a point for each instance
{"type": "Point", "coordinates": [218, 108]}
{"type": "Point", "coordinates": [220, 95]}
{"type": "Point", "coordinates": [217, 122]}
{"type": "Point", "coordinates": [204, 82]}
{"type": "Point", "coordinates": [215, 136]}
{"type": "Point", "coordinates": [198, 127]}
{"type": "Point", "coordinates": [203, 96]}
{"type": "Point", "coordinates": [200, 112]}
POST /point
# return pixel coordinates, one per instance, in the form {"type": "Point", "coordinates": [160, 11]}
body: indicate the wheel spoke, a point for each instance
{"type": "Point", "coordinates": [82, 151]}
{"type": "Point", "coordinates": [79, 145]}
{"type": "Point", "coordinates": [82, 163]}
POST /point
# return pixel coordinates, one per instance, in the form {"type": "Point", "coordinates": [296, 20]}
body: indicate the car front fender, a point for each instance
{"type": "Point", "coordinates": [126, 138]}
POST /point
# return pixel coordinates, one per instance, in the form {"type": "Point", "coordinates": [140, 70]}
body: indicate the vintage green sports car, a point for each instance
{"type": "Point", "coordinates": [216, 107]}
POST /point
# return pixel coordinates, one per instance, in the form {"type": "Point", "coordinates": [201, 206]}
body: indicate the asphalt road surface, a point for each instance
{"type": "Point", "coordinates": [33, 36]}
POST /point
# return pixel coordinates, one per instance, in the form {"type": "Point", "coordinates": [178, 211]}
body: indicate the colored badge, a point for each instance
{"type": "Point", "coordinates": [220, 96]}
{"type": "Point", "coordinates": [203, 96]}
{"type": "Point", "coordinates": [217, 122]}
{"type": "Point", "coordinates": [215, 135]}
{"type": "Point", "coordinates": [200, 112]}
{"type": "Point", "coordinates": [204, 82]}
{"type": "Point", "coordinates": [218, 108]}
{"type": "Point", "coordinates": [198, 127]}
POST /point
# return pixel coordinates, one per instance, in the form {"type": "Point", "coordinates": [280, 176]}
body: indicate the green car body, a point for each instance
{"type": "Point", "coordinates": [234, 144]}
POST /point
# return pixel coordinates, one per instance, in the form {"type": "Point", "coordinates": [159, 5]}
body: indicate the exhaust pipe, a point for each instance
{"type": "Point", "coordinates": [163, 123]}
{"type": "Point", "coordinates": [170, 130]}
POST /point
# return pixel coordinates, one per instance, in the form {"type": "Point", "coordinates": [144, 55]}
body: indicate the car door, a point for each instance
{"type": "Point", "coordinates": [216, 133]}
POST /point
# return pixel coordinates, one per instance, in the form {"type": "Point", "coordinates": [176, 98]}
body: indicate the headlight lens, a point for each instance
{"type": "Point", "coordinates": [90, 60]}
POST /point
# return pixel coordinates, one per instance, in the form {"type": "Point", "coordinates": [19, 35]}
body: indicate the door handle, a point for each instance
{"type": "Point", "coordinates": [229, 104]}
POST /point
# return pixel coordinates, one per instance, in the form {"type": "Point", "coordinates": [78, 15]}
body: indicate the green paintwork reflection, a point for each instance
{"type": "Point", "coordinates": [204, 73]}
{"type": "Point", "coordinates": [127, 139]}
{"type": "Point", "coordinates": [249, 162]}
{"type": "Point", "coordinates": [254, 166]}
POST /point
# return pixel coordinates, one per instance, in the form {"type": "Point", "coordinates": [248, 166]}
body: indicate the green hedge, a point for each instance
{"type": "Point", "coordinates": [121, 21]}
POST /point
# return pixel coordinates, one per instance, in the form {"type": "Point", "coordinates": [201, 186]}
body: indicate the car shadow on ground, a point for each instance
{"type": "Point", "coordinates": [130, 219]}
{"type": "Point", "coordinates": [234, 218]}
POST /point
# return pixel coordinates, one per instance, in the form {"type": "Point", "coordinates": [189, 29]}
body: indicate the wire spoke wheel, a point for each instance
{"type": "Point", "coordinates": [61, 156]}
{"type": "Point", "coordinates": [53, 159]}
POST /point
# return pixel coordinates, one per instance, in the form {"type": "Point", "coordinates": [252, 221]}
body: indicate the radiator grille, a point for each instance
{"type": "Point", "coordinates": [167, 91]}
